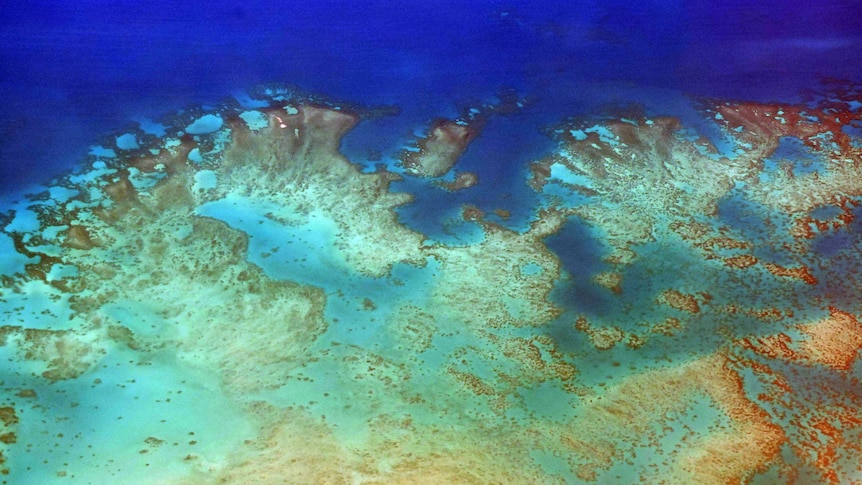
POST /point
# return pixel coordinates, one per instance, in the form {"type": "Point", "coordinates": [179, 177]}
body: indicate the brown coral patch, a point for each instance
{"type": "Point", "coordinates": [602, 338]}
{"type": "Point", "coordinates": [835, 341]}
{"type": "Point", "coordinates": [471, 382]}
{"type": "Point", "coordinates": [772, 346]}
{"type": "Point", "coordinates": [444, 144]}
{"type": "Point", "coordinates": [749, 446]}
{"type": "Point", "coordinates": [78, 237]}
{"type": "Point", "coordinates": [800, 273]}
{"type": "Point", "coordinates": [121, 189]}
{"type": "Point", "coordinates": [668, 328]}
{"type": "Point", "coordinates": [610, 280]}
{"type": "Point", "coordinates": [690, 230]}
{"type": "Point", "coordinates": [170, 161]}
{"type": "Point", "coordinates": [740, 262]}
{"type": "Point", "coordinates": [8, 416]}
{"type": "Point", "coordinates": [464, 180]}
{"type": "Point", "coordinates": [680, 301]}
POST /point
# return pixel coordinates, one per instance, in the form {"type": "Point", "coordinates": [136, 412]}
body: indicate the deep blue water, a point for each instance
{"type": "Point", "coordinates": [70, 72]}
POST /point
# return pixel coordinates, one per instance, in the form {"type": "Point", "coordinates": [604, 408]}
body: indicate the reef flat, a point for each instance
{"type": "Point", "coordinates": [231, 299]}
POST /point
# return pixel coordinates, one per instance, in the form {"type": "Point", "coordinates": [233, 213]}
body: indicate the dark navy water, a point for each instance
{"type": "Point", "coordinates": [581, 255]}
{"type": "Point", "coordinates": [70, 72]}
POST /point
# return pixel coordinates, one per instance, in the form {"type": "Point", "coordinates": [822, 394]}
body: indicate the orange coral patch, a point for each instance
{"type": "Point", "coordinates": [835, 341]}
{"type": "Point", "coordinates": [800, 272]}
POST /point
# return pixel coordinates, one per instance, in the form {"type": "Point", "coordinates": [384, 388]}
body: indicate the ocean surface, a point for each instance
{"type": "Point", "coordinates": [430, 242]}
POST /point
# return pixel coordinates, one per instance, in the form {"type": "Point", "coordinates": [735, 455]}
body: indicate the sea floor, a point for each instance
{"type": "Point", "coordinates": [286, 289]}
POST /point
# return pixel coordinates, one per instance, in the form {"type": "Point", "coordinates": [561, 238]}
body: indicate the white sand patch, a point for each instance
{"type": "Point", "coordinates": [205, 180]}
{"type": "Point", "coordinates": [205, 124]}
{"type": "Point", "coordinates": [195, 155]}
{"type": "Point", "coordinates": [254, 119]}
{"type": "Point", "coordinates": [127, 142]}
{"type": "Point", "coordinates": [100, 151]}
